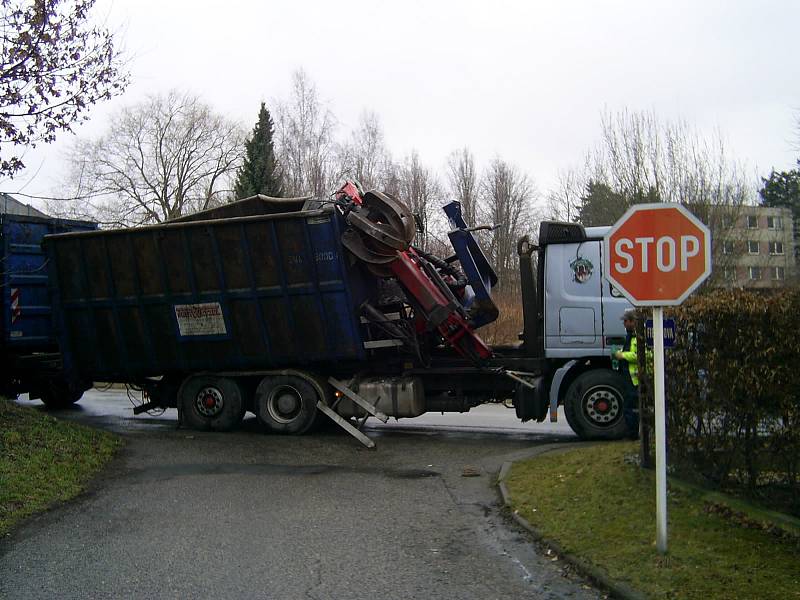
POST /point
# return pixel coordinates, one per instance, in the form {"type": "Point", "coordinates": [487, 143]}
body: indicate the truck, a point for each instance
{"type": "Point", "coordinates": [301, 310]}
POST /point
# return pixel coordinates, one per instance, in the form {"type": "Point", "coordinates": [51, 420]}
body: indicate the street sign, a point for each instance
{"type": "Point", "coordinates": [669, 333]}
{"type": "Point", "coordinates": [657, 254]}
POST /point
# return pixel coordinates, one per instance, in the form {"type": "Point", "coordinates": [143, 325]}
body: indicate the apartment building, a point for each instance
{"type": "Point", "coordinates": [755, 248]}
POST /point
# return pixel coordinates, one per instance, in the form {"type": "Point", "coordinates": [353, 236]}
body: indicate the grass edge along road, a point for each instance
{"type": "Point", "coordinates": [44, 460]}
{"type": "Point", "coordinates": [600, 507]}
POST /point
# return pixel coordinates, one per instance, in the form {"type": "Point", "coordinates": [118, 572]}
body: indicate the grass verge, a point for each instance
{"type": "Point", "coordinates": [44, 460]}
{"type": "Point", "coordinates": [601, 508]}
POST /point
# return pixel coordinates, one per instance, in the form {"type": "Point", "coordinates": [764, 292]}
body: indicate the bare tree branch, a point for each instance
{"type": "Point", "coordinates": [53, 66]}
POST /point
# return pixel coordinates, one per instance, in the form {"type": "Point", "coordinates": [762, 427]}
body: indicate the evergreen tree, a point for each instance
{"type": "Point", "coordinates": [600, 205]}
{"type": "Point", "coordinates": [782, 189]}
{"type": "Point", "coordinates": [258, 173]}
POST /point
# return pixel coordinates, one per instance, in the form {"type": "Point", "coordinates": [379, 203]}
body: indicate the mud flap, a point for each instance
{"type": "Point", "coordinates": [531, 402]}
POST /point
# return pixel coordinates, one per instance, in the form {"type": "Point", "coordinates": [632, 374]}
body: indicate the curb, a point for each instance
{"type": "Point", "coordinates": [588, 570]}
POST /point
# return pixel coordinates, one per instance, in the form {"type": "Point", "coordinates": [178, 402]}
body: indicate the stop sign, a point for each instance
{"type": "Point", "coordinates": [657, 254]}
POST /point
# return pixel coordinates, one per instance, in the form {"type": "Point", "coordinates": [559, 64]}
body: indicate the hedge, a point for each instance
{"type": "Point", "coordinates": [733, 400]}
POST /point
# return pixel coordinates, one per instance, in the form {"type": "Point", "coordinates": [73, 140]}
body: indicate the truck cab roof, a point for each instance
{"type": "Point", "coordinates": [597, 232]}
{"type": "Point", "coordinates": [556, 232]}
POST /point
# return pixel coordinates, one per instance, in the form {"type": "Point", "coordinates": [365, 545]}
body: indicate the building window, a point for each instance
{"type": "Point", "coordinates": [754, 273]}
{"type": "Point", "coordinates": [729, 273]}
{"type": "Point", "coordinates": [776, 248]}
{"type": "Point", "coordinates": [727, 247]}
{"type": "Point", "coordinates": [752, 247]}
{"type": "Point", "coordinates": [752, 222]}
{"type": "Point", "coordinates": [774, 223]}
{"type": "Point", "coordinates": [725, 222]}
{"type": "Point", "coordinates": [778, 274]}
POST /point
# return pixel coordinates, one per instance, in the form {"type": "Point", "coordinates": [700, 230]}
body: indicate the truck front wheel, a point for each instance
{"type": "Point", "coordinates": [208, 402]}
{"type": "Point", "coordinates": [286, 403]}
{"type": "Point", "coordinates": [593, 405]}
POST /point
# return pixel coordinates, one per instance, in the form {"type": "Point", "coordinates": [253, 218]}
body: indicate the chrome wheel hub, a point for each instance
{"type": "Point", "coordinates": [602, 405]}
{"type": "Point", "coordinates": [209, 401]}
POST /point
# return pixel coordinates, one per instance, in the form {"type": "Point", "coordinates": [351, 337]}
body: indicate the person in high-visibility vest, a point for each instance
{"type": "Point", "coordinates": [629, 368]}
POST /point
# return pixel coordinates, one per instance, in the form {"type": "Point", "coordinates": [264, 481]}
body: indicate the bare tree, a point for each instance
{"type": "Point", "coordinates": [162, 158]}
{"type": "Point", "coordinates": [392, 175]}
{"type": "Point", "coordinates": [643, 159]}
{"type": "Point", "coordinates": [563, 202]}
{"type": "Point", "coordinates": [419, 188]}
{"type": "Point", "coordinates": [463, 183]}
{"type": "Point", "coordinates": [365, 157]}
{"type": "Point", "coordinates": [796, 143]}
{"type": "Point", "coordinates": [304, 142]}
{"type": "Point", "coordinates": [507, 197]}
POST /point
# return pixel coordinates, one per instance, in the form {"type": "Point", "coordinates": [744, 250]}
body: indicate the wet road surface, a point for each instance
{"type": "Point", "coordinates": [184, 514]}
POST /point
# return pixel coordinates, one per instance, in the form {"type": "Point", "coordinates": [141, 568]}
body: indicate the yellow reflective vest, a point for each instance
{"type": "Point", "coordinates": [631, 357]}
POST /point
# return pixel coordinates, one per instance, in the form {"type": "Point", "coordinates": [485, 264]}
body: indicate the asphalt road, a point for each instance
{"type": "Point", "coordinates": [183, 514]}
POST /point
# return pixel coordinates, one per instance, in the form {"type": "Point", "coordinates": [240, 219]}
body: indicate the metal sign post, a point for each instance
{"type": "Point", "coordinates": [661, 429]}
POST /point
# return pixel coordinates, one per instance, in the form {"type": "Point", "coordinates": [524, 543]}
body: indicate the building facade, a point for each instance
{"type": "Point", "coordinates": [755, 248]}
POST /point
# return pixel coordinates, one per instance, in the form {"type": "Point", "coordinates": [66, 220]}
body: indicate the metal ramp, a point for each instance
{"type": "Point", "coordinates": [356, 432]}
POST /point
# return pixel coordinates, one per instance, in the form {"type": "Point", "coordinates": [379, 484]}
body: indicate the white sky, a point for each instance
{"type": "Point", "coordinates": [525, 81]}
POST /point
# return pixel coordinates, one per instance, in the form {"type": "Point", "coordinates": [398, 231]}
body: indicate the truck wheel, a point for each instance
{"type": "Point", "coordinates": [286, 403]}
{"type": "Point", "coordinates": [593, 405]}
{"type": "Point", "coordinates": [59, 394]}
{"type": "Point", "coordinates": [212, 403]}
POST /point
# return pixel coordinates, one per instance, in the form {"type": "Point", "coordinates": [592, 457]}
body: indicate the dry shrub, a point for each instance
{"type": "Point", "coordinates": [506, 329]}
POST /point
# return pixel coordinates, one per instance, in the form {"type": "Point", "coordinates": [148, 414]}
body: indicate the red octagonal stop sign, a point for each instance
{"type": "Point", "coordinates": [657, 254]}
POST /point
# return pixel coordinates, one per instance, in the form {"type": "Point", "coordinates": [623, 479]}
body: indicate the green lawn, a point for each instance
{"type": "Point", "coordinates": [600, 507]}
{"type": "Point", "coordinates": [44, 460]}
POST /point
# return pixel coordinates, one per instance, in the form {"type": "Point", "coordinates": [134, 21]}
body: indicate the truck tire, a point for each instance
{"type": "Point", "coordinates": [210, 403]}
{"type": "Point", "coordinates": [286, 404]}
{"type": "Point", "coordinates": [593, 405]}
{"type": "Point", "coordinates": [58, 394]}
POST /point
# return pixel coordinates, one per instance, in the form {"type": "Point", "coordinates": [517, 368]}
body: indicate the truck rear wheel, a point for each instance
{"type": "Point", "coordinates": [593, 405]}
{"type": "Point", "coordinates": [286, 403]}
{"type": "Point", "coordinates": [208, 402]}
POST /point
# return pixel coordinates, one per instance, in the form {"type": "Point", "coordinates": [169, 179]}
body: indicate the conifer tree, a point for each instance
{"type": "Point", "coordinates": [782, 189]}
{"type": "Point", "coordinates": [258, 173]}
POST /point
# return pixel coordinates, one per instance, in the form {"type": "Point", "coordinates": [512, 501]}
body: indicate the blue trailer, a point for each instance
{"type": "Point", "coordinates": [29, 352]}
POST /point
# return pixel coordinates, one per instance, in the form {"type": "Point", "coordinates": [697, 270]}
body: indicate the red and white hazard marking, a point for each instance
{"type": "Point", "coordinates": [16, 311]}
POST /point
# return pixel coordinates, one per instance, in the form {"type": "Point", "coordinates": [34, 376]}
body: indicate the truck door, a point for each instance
{"type": "Point", "coordinates": [573, 299]}
{"type": "Point", "coordinates": [614, 304]}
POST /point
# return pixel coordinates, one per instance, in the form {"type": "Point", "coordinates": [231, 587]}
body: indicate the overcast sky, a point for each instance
{"type": "Point", "coordinates": [525, 81]}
